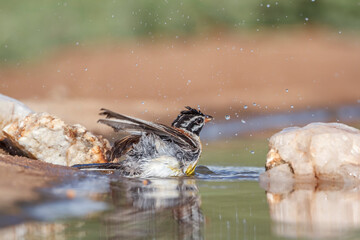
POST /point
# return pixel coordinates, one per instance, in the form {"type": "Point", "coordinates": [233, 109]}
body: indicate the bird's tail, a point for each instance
{"type": "Point", "coordinates": [98, 166]}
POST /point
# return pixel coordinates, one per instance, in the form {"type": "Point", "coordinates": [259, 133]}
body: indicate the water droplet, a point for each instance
{"type": "Point", "coordinates": [340, 32]}
{"type": "Point", "coordinates": [252, 152]}
{"type": "Point", "coordinates": [291, 106]}
{"type": "Point", "coordinates": [142, 102]}
{"type": "Point", "coordinates": [243, 121]}
{"type": "Point", "coordinates": [287, 90]}
{"type": "Point", "coordinates": [268, 5]}
{"type": "Point", "coordinates": [306, 19]}
{"type": "Point", "coordinates": [227, 117]}
{"type": "Point", "coordinates": [85, 69]}
{"type": "Point", "coordinates": [254, 104]}
{"type": "Point", "coordinates": [77, 43]}
{"type": "Point", "coordinates": [188, 82]}
{"type": "Point", "coordinates": [245, 106]}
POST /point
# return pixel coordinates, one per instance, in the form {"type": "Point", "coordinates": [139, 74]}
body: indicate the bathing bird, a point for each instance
{"type": "Point", "coordinates": [152, 149]}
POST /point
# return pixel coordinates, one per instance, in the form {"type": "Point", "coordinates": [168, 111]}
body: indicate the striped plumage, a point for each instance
{"type": "Point", "coordinates": [154, 150]}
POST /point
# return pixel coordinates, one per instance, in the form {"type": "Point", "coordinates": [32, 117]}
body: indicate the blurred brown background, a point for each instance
{"type": "Point", "coordinates": [150, 59]}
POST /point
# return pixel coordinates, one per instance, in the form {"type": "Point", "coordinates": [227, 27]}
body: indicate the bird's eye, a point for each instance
{"type": "Point", "coordinates": [199, 120]}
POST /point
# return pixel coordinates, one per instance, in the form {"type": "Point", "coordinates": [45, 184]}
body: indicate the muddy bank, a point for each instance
{"type": "Point", "coordinates": [20, 177]}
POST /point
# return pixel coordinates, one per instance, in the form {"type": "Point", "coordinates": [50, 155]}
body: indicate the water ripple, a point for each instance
{"type": "Point", "coordinates": [230, 173]}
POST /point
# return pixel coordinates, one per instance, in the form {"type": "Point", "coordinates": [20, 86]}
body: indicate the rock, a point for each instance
{"type": "Point", "coordinates": [11, 110]}
{"type": "Point", "coordinates": [47, 138]}
{"type": "Point", "coordinates": [318, 151]}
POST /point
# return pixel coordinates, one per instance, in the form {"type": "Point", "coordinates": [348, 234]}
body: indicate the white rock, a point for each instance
{"type": "Point", "coordinates": [47, 138]}
{"type": "Point", "coordinates": [11, 110]}
{"type": "Point", "coordinates": [323, 151]}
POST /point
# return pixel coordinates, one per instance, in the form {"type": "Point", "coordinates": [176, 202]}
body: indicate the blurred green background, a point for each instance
{"type": "Point", "coordinates": [29, 29]}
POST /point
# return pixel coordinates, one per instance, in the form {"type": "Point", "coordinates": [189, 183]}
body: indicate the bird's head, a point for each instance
{"type": "Point", "coordinates": [191, 120]}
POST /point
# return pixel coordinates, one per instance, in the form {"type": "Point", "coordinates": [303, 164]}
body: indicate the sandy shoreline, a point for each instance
{"type": "Point", "coordinates": [154, 81]}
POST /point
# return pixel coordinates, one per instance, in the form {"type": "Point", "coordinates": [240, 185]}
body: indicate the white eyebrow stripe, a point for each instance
{"type": "Point", "coordinates": [186, 123]}
{"type": "Point", "coordinates": [196, 127]}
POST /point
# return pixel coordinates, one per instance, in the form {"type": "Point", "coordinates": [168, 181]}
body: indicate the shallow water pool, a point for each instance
{"type": "Point", "coordinates": [218, 203]}
{"type": "Point", "coordinates": [224, 200]}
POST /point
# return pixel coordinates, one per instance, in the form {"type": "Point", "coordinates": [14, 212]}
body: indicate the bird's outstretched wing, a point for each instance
{"type": "Point", "coordinates": [137, 126]}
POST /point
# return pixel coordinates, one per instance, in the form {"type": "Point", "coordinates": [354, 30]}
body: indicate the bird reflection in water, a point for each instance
{"type": "Point", "coordinates": [155, 208]}
{"type": "Point", "coordinates": [325, 210]}
{"type": "Point", "coordinates": [138, 209]}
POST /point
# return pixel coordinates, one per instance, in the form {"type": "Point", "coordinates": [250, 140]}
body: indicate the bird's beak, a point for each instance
{"type": "Point", "coordinates": [208, 118]}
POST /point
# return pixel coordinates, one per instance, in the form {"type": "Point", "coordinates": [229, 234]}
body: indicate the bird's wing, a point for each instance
{"type": "Point", "coordinates": [137, 126]}
{"type": "Point", "coordinates": [122, 146]}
